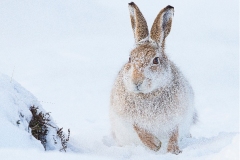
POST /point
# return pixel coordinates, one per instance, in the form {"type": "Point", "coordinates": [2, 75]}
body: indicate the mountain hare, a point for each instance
{"type": "Point", "coordinates": [151, 101]}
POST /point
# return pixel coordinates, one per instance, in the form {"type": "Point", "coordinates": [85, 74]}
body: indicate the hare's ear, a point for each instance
{"type": "Point", "coordinates": [162, 25]}
{"type": "Point", "coordinates": [139, 24]}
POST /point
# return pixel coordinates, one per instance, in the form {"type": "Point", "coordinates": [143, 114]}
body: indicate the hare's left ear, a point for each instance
{"type": "Point", "coordinates": [162, 25]}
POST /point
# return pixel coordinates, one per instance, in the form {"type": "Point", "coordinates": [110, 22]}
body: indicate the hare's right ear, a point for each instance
{"type": "Point", "coordinates": [139, 24]}
{"type": "Point", "coordinates": [162, 25]}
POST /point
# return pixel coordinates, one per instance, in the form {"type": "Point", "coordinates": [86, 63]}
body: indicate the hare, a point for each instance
{"type": "Point", "coordinates": [151, 102]}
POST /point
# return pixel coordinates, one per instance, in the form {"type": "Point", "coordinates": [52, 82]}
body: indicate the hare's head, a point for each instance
{"type": "Point", "coordinates": [148, 67]}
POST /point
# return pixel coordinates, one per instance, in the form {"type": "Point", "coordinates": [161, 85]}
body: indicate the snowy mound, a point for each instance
{"type": "Point", "coordinates": [15, 116]}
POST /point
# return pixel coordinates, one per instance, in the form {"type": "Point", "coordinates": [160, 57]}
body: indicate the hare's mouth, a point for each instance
{"type": "Point", "coordinates": [137, 90]}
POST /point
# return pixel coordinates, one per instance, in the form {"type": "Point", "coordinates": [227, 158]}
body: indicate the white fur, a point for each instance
{"type": "Point", "coordinates": [144, 40]}
{"type": "Point", "coordinates": [131, 10]}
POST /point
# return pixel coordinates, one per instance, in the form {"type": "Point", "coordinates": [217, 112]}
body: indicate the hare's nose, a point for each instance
{"type": "Point", "coordinates": [138, 85]}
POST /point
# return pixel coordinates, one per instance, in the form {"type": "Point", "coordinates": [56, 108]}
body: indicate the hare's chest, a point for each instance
{"type": "Point", "coordinates": [150, 112]}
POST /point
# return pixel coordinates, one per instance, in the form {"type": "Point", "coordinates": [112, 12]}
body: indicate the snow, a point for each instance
{"type": "Point", "coordinates": [67, 54]}
{"type": "Point", "coordinates": [15, 103]}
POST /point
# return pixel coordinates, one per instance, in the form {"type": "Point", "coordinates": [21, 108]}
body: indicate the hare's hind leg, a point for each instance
{"type": "Point", "coordinates": [148, 139]}
{"type": "Point", "coordinates": [173, 143]}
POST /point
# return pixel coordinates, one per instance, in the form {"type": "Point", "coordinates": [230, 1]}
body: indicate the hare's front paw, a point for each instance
{"type": "Point", "coordinates": [174, 150]}
{"type": "Point", "coordinates": [148, 139]}
{"type": "Point", "coordinates": [173, 143]}
{"type": "Point", "coordinates": [155, 144]}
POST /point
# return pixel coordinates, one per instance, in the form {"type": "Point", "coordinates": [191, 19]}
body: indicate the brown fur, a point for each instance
{"type": "Point", "coordinates": [137, 75]}
{"type": "Point", "coordinates": [139, 24]}
{"type": "Point", "coordinates": [173, 143]}
{"type": "Point", "coordinates": [160, 26]}
{"type": "Point", "coordinates": [148, 139]}
{"type": "Point", "coordinates": [146, 51]}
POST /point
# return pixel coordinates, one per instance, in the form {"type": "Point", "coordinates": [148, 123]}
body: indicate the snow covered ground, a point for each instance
{"type": "Point", "coordinates": [67, 54]}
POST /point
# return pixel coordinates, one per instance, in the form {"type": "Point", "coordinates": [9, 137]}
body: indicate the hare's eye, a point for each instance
{"type": "Point", "coordinates": [156, 60]}
{"type": "Point", "coordinates": [129, 60]}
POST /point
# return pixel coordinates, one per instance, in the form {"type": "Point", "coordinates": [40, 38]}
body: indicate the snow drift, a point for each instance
{"type": "Point", "coordinates": [15, 117]}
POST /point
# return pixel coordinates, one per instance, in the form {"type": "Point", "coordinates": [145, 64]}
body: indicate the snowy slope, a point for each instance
{"type": "Point", "coordinates": [67, 54]}
{"type": "Point", "coordinates": [15, 116]}
{"type": "Point", "coordinates": [14, 102]}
